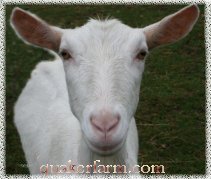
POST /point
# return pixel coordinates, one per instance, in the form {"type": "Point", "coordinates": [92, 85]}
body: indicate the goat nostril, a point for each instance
{"type": "Point", "coordinates": [115, 123]}
{"type": "Point", "coordinates": [113, 126]}
{"type": "Point", "coordinates": [96, 124]}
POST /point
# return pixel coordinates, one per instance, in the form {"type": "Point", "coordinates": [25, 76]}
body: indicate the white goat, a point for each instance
{"type": "Point", "coordinates": [80, 107]}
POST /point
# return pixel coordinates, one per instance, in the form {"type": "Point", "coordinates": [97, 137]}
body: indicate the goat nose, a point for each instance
{"type": "Point", "coordinates": [105, 122]}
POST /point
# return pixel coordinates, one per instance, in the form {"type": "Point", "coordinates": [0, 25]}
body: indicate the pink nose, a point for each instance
{"type": "Point", "coordinates": [105, 122]}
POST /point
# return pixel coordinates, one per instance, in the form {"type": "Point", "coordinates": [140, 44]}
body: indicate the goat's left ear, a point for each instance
{"type": "Point", "coordinates": [171, 28]}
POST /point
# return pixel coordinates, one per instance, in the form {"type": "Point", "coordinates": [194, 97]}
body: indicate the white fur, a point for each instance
{"type": "Point", "coordinates": [50, 133]}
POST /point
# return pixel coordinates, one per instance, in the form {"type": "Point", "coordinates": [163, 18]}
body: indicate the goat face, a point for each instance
{"type": "Point", "coordinates": [103, 73]}
{"type": "Point", "coordinates": [103, 63]}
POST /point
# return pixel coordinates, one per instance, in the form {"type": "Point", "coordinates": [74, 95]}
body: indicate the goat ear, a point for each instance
{"type": "Point", "coordinates": [171, 28]}
{"type": "Point", "coordinates": [34, 30]}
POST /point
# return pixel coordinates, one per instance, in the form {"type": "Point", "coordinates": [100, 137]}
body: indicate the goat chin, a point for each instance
{"type": "Point", "coordinates": [105, 150]}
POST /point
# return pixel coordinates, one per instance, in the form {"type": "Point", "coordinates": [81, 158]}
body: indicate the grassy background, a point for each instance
{"type": "Point", "coordinates": [171, 112]}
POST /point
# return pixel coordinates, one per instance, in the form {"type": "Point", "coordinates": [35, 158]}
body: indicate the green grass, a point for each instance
{"type": "Point", "coordinates": [171, 112]}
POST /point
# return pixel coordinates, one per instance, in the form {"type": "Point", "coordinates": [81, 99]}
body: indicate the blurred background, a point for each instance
{"type": "Point", "coordinates": [171, 111]}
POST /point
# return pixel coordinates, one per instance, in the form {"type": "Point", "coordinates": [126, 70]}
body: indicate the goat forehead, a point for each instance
{"type": "Point", "coordinates": [108, 35]}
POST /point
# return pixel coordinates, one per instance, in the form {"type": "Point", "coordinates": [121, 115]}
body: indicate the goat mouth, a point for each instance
{"type": "Point", "coordinates": [105, 149]}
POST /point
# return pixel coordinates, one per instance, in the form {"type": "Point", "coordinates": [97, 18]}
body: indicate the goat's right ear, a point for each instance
{"type": "Point", "coordinates": [34, 30]}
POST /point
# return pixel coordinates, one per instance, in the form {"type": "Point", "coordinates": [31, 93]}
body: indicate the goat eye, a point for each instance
{"type": "Point", "coordinates": [141, 55]}
{"type": "Point", "coordinates": [65, 54]}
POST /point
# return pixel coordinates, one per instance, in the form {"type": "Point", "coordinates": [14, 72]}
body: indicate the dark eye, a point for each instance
{"type": "Point", "coordinates": [65, 54]}
{"type": "Point", "coordinates": [141, 55]}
